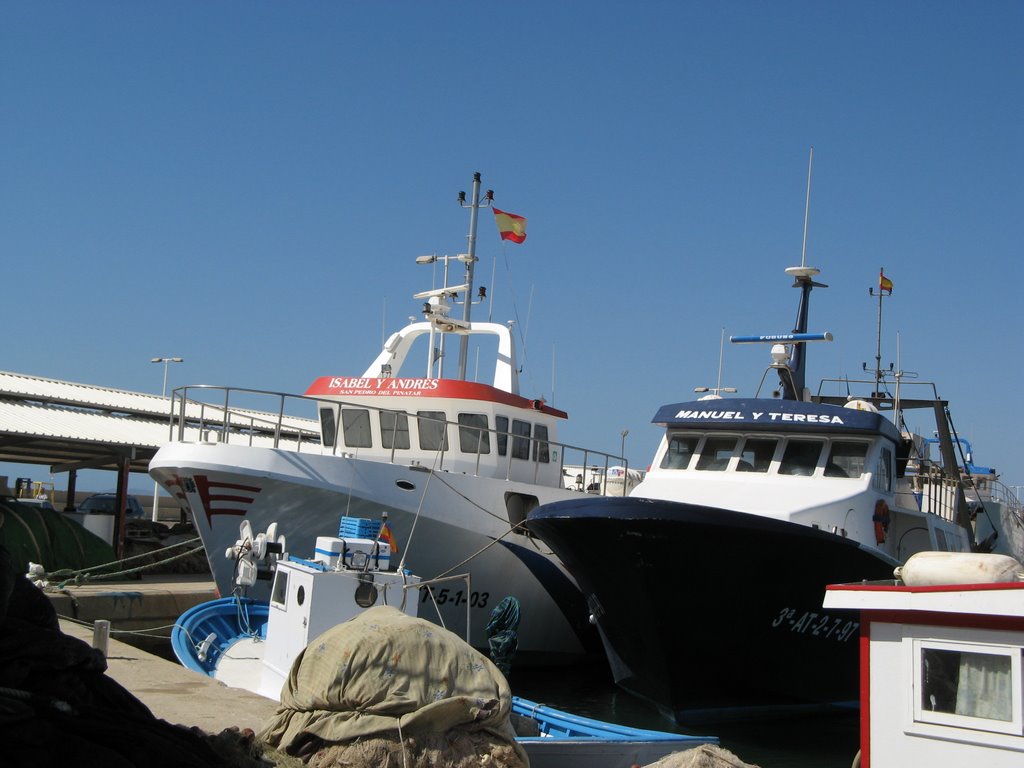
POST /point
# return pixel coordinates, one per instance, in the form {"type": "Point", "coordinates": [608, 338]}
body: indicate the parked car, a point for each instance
{"type": "Point", "coordinates": [106, 504]}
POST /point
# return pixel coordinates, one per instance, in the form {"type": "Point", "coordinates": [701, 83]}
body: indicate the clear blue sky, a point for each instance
{"type": "Point", "coordinates": [246, 184]}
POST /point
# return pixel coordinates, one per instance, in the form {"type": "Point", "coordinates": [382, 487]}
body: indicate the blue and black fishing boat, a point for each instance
{"type": "Point", "coordinates": [707, 581]}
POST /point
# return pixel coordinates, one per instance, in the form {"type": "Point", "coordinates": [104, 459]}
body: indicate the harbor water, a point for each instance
{"type": "Point", "coordinates": [769, 739]}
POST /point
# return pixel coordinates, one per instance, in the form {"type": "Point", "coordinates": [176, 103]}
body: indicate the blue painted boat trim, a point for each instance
{"type": "Point", "coordinates": [225, 618]}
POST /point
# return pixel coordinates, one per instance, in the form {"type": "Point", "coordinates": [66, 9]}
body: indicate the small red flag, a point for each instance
{"type": "Point", "coordinates": [884, 283]}
{"type": "Point", "coordinates": [511, 226]}
{"type": "Point", "coordinates": [388, 538]}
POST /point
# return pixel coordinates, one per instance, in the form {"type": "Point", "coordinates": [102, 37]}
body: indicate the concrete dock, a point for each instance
{"type": "Point", "coordinates": [148, 606]}
{"type": "Point", "coordinates": [176, 694]}
{"type": "Point", "coordinates": [171, 691]}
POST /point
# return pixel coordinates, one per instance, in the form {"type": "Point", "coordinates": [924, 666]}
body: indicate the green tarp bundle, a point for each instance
{"type": "Point", "coordinates": [386, 674]}
{"type": "Point", "coordinates": [44, 536]}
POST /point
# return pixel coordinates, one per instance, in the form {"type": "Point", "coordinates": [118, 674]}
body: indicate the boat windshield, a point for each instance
{"type": "Point", "coordinates": [800, 457]}
{"type": "Point", "coordinates": [680, 449]}
{"type": "Point", "coordinates": [794, 456]}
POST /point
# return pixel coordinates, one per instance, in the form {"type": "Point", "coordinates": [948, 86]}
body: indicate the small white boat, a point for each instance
{"type": "Point", "coordinates": [941, 678]}
{"type": "Point", "coordinates": [252, 644]}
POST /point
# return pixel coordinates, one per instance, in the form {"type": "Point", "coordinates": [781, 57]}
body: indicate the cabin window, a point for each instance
{"type": "Point", "coordinates": [882, 480]}
{"type": "Point", "coordinates": [520, 439]}
{"type": "Point", "coordinates": [715, 454]}
{"type": "Point", "coordinates": [433, 430]}
{"type": "Point", "coordinates": [279, 589]}
{"type": "Point", "coordinates": [355, 423]}
{"type": "Point", "coordinates": [800, 457]}
{"type": "Point", "coordinates": [501, 427]}
{"type": "Point", "coordinates": [968, 685]}
{"type": "Point", "coordinates": [328, 427]}
{"type": "Point", "coordinates": [394, 429]}
{"type": "Point", "coordinates": [540, 447]}
{"type": "Point", "coordinates": [757, 454]}
{"type": "Point", "coordinates": [473, 434]}
{"type": "Point", "coordinates": [680, 449]}
{"type": "Point", "coordinates": [846, 459]}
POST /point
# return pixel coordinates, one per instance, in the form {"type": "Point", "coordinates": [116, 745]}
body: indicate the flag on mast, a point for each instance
{"type": "Point", "coordinates": [884, 283]}
{"type": "Point", "coordinates": [510, 226]}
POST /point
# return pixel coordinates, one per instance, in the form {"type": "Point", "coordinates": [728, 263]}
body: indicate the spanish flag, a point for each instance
{"type": "Point", "coordinates": [388, 538]}
{"type": "Point", "coordinates": [884, 283]}
{"type": "Point", "coordinates": [510, 226]}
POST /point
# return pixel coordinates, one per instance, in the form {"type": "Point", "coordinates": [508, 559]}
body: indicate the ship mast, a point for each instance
{"type": "Point", "coordinates": [474, 207]}
{"type": "Point", "coordinates": [879, 373]}
{"type": "Point", "coordinates": [804, 280]}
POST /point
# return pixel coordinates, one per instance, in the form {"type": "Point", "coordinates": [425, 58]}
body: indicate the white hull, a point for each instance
{"type": "Point", "coordinates": [461, 519]}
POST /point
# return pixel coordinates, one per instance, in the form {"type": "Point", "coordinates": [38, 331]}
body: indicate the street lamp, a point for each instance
{"type": "Point", "coordinates": [622, 452]}
{"type": "Point", "coordinates": [163, 393]}
{"type": "Point", "coordinates": [166, 361]}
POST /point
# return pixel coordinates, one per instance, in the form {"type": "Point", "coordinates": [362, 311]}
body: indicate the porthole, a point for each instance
{"type": "Point", "coordinates": [405, 485]}
{"type": "Point", "coordinates": [366, 593]}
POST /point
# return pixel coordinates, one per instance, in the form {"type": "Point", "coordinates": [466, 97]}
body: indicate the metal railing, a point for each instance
{"type": "Point", "coordinates": [210, 413]}
{"type": "Point", "coordinates": [935, 491]}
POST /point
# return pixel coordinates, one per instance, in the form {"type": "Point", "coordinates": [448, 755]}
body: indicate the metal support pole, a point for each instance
{"type": "Point", "coordinates": [163, 393]}
{"type": "Point", "coordinates": [474, 209]}
{"type": "Point", "coordinates": [123, 466]}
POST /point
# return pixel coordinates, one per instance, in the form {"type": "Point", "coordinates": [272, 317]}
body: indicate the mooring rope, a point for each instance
{"type": "Point", "coordinates": [67, 576]}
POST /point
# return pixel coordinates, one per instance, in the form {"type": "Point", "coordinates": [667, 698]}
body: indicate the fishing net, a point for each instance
{"type": "Point", "coordinates": [704, 756]}
{"type": "Point", "coordinates": [388, 689]}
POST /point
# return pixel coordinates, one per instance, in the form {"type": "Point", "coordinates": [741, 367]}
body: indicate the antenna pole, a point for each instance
{"type": "Point", "coordinates": [474, 208]}
{"type": "Point", "coordinates": [793, 386]}
{"type": "Point", "coordinates": [721, 353]}
{"type": "Point", "coordinates": [807, 209]}
{"type": "Point", "coordinates": [878, 348]}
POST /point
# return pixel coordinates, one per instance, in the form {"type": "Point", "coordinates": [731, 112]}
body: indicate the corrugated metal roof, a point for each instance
{"type": "Point", "coordinates": [22, 386]}
{"type": "Point", "coordinates": [46, 421]}
{"type": "Point", "coordinates": [42, 421]}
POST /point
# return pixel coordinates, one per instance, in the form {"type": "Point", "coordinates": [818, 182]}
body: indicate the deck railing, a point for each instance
{"type": "Point", "coordinates": [230, 415]}
{"type": "Point", "coordinates": [935, 491]}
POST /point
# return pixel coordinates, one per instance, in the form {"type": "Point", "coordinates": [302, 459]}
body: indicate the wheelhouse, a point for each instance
{"type": "Point", "coordinates": [779, 438]}
{"type": "Point", "coordinates": [444, 424]}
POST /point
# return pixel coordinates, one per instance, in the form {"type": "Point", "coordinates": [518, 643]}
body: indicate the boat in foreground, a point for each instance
{"type": "Point", "coordinates": [706, 582]}
{"type": "Point", "coordinates": [456, 464]}
{"type": "Point", "coordinates": [941, 649]}
{"type": "Point", "coordinates": [255, 645]}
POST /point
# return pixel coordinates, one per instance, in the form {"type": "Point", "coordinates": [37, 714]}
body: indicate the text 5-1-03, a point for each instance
{"type": "Point", "coordinates": [455, 597]}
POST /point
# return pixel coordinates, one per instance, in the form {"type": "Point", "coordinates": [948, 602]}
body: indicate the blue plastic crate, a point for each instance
{"type": "Point", "coordinates": [358, 528]}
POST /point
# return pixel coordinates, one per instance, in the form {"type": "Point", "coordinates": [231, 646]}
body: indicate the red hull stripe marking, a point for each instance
{"type": "Point", "coordinates": [208, 495]}
{"type": "Point", "coordinates": [986, 587]}
{"type": "Point", "coordinates": [349, 386]}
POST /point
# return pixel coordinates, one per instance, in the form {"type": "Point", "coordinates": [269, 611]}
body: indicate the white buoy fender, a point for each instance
{"type": "Point", "coordinates": [938, 568]}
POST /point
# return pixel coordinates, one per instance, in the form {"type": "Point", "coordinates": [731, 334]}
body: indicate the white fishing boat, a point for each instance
{"type": "Point", "coordinates": [259, 646]}
{"type": "Point", "coordinates": [941, 648]}
{"type": "Point", "coordinates": [455, 464]}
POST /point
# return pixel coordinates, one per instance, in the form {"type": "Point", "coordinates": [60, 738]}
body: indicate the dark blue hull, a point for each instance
{"type": "Point", "coordinates": [703, 608]}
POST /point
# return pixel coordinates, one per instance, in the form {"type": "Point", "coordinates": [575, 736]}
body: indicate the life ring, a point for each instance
{"type": "Point", "coordinates": [881, 521]}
